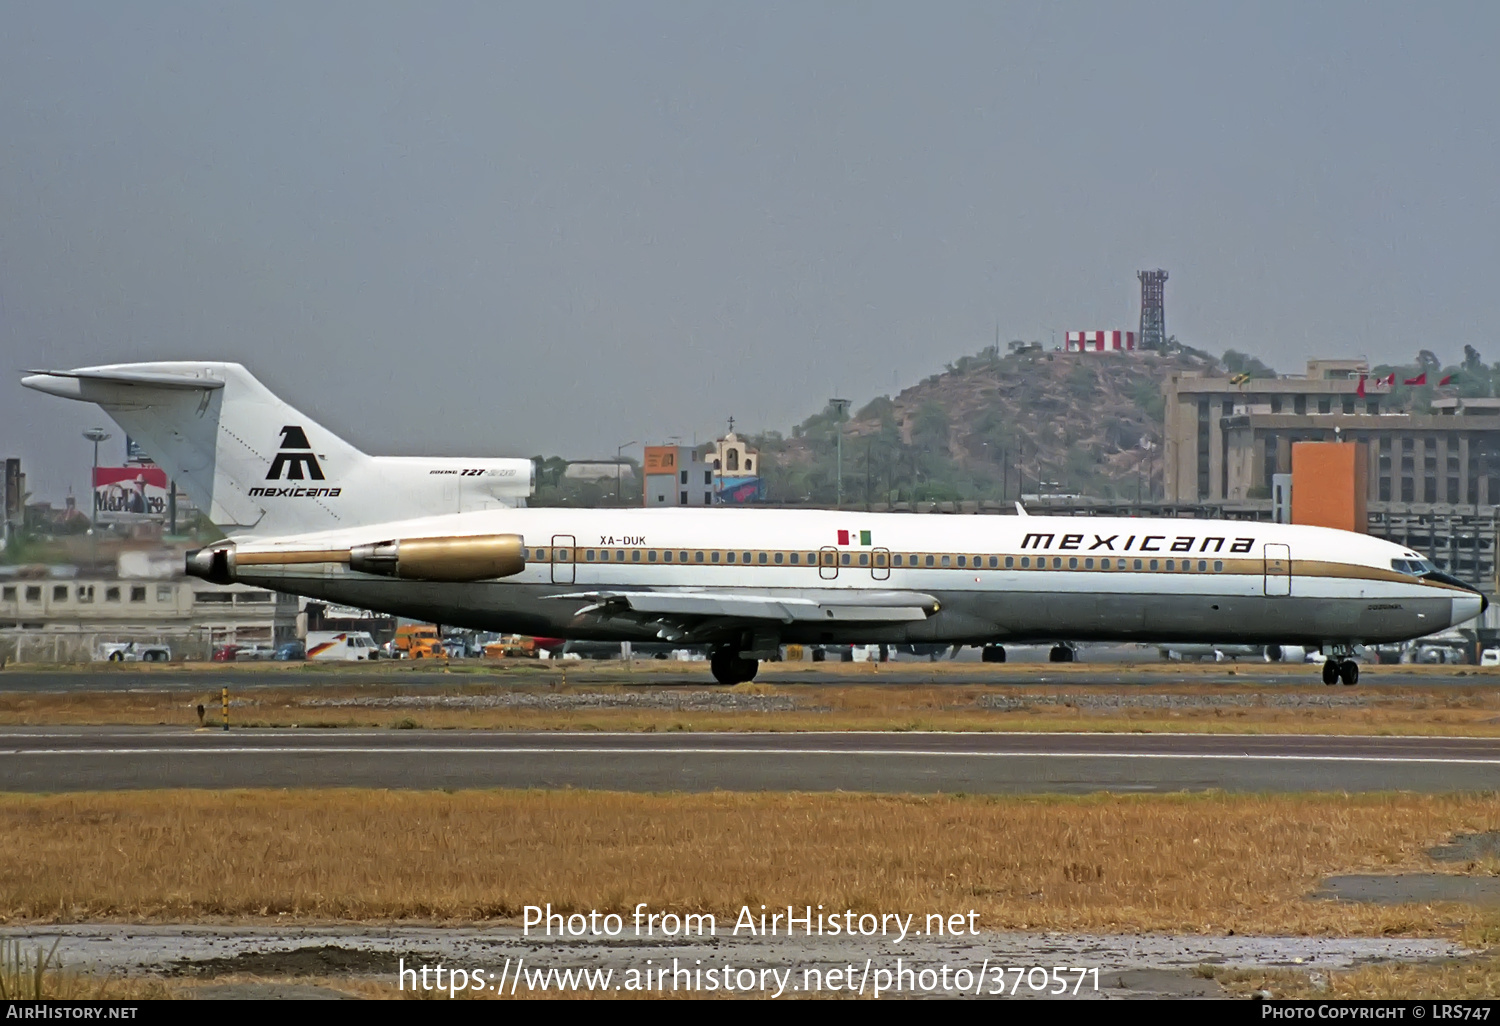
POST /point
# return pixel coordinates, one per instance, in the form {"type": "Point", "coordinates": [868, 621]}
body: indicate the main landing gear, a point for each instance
{"type": "Point", "coordinates": [729, 667]}
{"type": "Point", "coordinates": [992, 654]}
{"type": "Point", "coordinates": [1060, 654]}
{"type": "Point", "coordinates": [1339, 667]}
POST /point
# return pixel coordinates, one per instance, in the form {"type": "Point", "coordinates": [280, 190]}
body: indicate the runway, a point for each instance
{"type": "Point", "coordinates": [114, 758]}
{"type": "Point", "coordinates": [645, 674]}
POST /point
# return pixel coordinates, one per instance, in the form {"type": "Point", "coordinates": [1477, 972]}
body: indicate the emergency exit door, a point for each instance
{"type": "Point", "coordinates": [1278, 570]}
{"type": "Point", "coordinates": [562, 559]}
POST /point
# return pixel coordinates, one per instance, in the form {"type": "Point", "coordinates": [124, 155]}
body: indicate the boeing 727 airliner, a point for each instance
{"type": "Point", "coordinates": [450, 541]}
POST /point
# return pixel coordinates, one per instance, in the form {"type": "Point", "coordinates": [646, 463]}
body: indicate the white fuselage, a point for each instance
{"type": "Point", "coordinates": [994, 578]}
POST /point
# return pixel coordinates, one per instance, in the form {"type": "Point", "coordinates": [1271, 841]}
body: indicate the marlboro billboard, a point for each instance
{"type": "Point", "coordinates": [129, 493]}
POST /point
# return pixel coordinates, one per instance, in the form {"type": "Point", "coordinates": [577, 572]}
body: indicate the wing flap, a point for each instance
{"type": "Point", "coordinates": [855, 607]}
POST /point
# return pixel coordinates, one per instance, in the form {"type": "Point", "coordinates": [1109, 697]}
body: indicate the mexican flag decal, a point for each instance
{"type": "Point", "coordinates": [854, 538]}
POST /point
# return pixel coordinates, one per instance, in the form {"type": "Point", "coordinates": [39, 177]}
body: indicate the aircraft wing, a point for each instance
{"type": "Point", "coordinates": [681, 614]}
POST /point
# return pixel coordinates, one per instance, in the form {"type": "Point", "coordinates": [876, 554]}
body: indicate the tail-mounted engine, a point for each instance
{"type": "Point", "coordinates": [472, 558]}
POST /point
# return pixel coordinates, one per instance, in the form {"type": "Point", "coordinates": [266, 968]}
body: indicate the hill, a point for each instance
{"type": "Point", "coordinates": [993, 426]}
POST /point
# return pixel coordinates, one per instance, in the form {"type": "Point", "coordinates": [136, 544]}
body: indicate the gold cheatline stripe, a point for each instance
{"type": "Point", "coordinates": [1254, 566]}
{"type": "Point", "coordinates": [979, 561]}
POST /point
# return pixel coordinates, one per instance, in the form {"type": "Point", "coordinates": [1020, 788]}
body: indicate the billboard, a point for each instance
{"type": "Point", "coordinates": [1100, 341]}
{"type": "Point", "coordinates": [661, 459]}
{"type": "Point", "coordinates": [129, 493]}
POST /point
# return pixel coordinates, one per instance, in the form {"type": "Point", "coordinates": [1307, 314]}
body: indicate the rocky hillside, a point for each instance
{"type": "Point", "coordinates": [992, 426]}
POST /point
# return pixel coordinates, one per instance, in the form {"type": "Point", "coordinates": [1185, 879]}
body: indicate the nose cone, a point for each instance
{"type": "Point", "coordinates": [1466, 607]}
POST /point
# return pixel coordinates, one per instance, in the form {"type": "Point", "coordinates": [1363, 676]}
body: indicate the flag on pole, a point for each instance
{"type": "Point", "coordinates": [1446, 380]}
{"type": "Point", "coordinates": [1389, 381]}
{"type": "Point", "coordinates": [1239, 379]}
{"type": "Point", "coordinates": [1420, 379]}
{"type": "Point", "coordinates": [1360, 391]}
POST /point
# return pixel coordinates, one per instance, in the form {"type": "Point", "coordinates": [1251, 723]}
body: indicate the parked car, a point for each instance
{"type": "Point", "coordinates": [225, 653]}
{"type": "Point", "coordinates": [134, 652]}
{"type": "Point", "coordinates": [257, 651]}
{"type": "Point", "coordinates": [291, 652]}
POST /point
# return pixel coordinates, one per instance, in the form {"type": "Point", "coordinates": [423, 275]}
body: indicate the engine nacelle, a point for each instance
{"type": "Point", "coordinates": [474, 558]}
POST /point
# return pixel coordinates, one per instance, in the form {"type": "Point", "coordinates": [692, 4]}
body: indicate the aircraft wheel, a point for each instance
{"type": "Point", "coordinates": [992, 654]}
{"type": "Point", "coordinates": [1330, 672]}
{"type": "Point", "coordinates": [729, 668]}
{"type": "Point", "coordinates": [1060, 654]}
{"type": "Point", "coordinates": [117, 657]}
{"type": "Point", "coordinates": [1349, 672]}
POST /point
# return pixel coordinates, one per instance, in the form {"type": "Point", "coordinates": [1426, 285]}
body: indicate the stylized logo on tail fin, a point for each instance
{"type": "Point", "coordinates": [295, 456]}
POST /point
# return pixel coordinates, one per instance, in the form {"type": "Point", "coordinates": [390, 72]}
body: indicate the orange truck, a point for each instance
{"type": "Point", "coordinates": [419, 641]}
{"type": "Point", "coordinates": [511, 646]}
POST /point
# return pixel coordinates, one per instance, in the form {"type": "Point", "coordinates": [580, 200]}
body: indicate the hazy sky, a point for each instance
{"type": "Point", "coordinates": [509, 229]}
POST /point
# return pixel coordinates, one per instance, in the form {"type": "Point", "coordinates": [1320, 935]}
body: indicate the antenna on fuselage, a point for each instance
{"type": "Point", "coordinates": [1021, 510]}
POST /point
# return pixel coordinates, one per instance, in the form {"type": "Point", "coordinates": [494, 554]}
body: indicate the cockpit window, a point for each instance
{"type": "Point", "coordinates": [1415, 567]}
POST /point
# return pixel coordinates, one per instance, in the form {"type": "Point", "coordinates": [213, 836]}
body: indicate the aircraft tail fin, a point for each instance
{"type": "Point", "coordinates": [227, 441]}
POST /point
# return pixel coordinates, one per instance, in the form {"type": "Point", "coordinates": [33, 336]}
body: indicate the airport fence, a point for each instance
{"type": "Point", "coordinates": [19, 646]}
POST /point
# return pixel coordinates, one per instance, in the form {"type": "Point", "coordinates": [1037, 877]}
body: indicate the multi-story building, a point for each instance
{"type": "Point", "coordinates": [1199, 465]}
{"type": "Point", "coordinates": [69, 615]}
{"type": "Point", "coordinates": [1433, 478]}
{"type": "Point", "coordinates": [676, 476]}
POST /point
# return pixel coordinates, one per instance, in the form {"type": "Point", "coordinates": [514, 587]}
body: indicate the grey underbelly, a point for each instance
{"type": "Point", "coordinates": [972, 617]}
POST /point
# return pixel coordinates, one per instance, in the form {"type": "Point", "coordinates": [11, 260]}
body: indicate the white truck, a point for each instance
{"type": "Point", "coordinates": [341, 646]}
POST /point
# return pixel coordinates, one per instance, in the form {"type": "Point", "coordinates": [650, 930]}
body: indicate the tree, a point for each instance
{"type": "Point", "coordinates": [1236, 363]}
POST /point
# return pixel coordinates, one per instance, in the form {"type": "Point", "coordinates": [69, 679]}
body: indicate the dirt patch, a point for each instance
{"type": "Point", "coordinates": [1468, 847]}
{"type": "Point", "coordinates": [263, 991]}
{"type": "Point", "coordinates": [1411, 888]}
{"type": "Point", "coordinates": [324, 960]}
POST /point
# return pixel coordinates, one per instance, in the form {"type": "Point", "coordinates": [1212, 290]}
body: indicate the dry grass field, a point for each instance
{"type": "Point", "coordinates": [1200, 863]}
{"type": "Point", "coordinates": [482, 703]}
